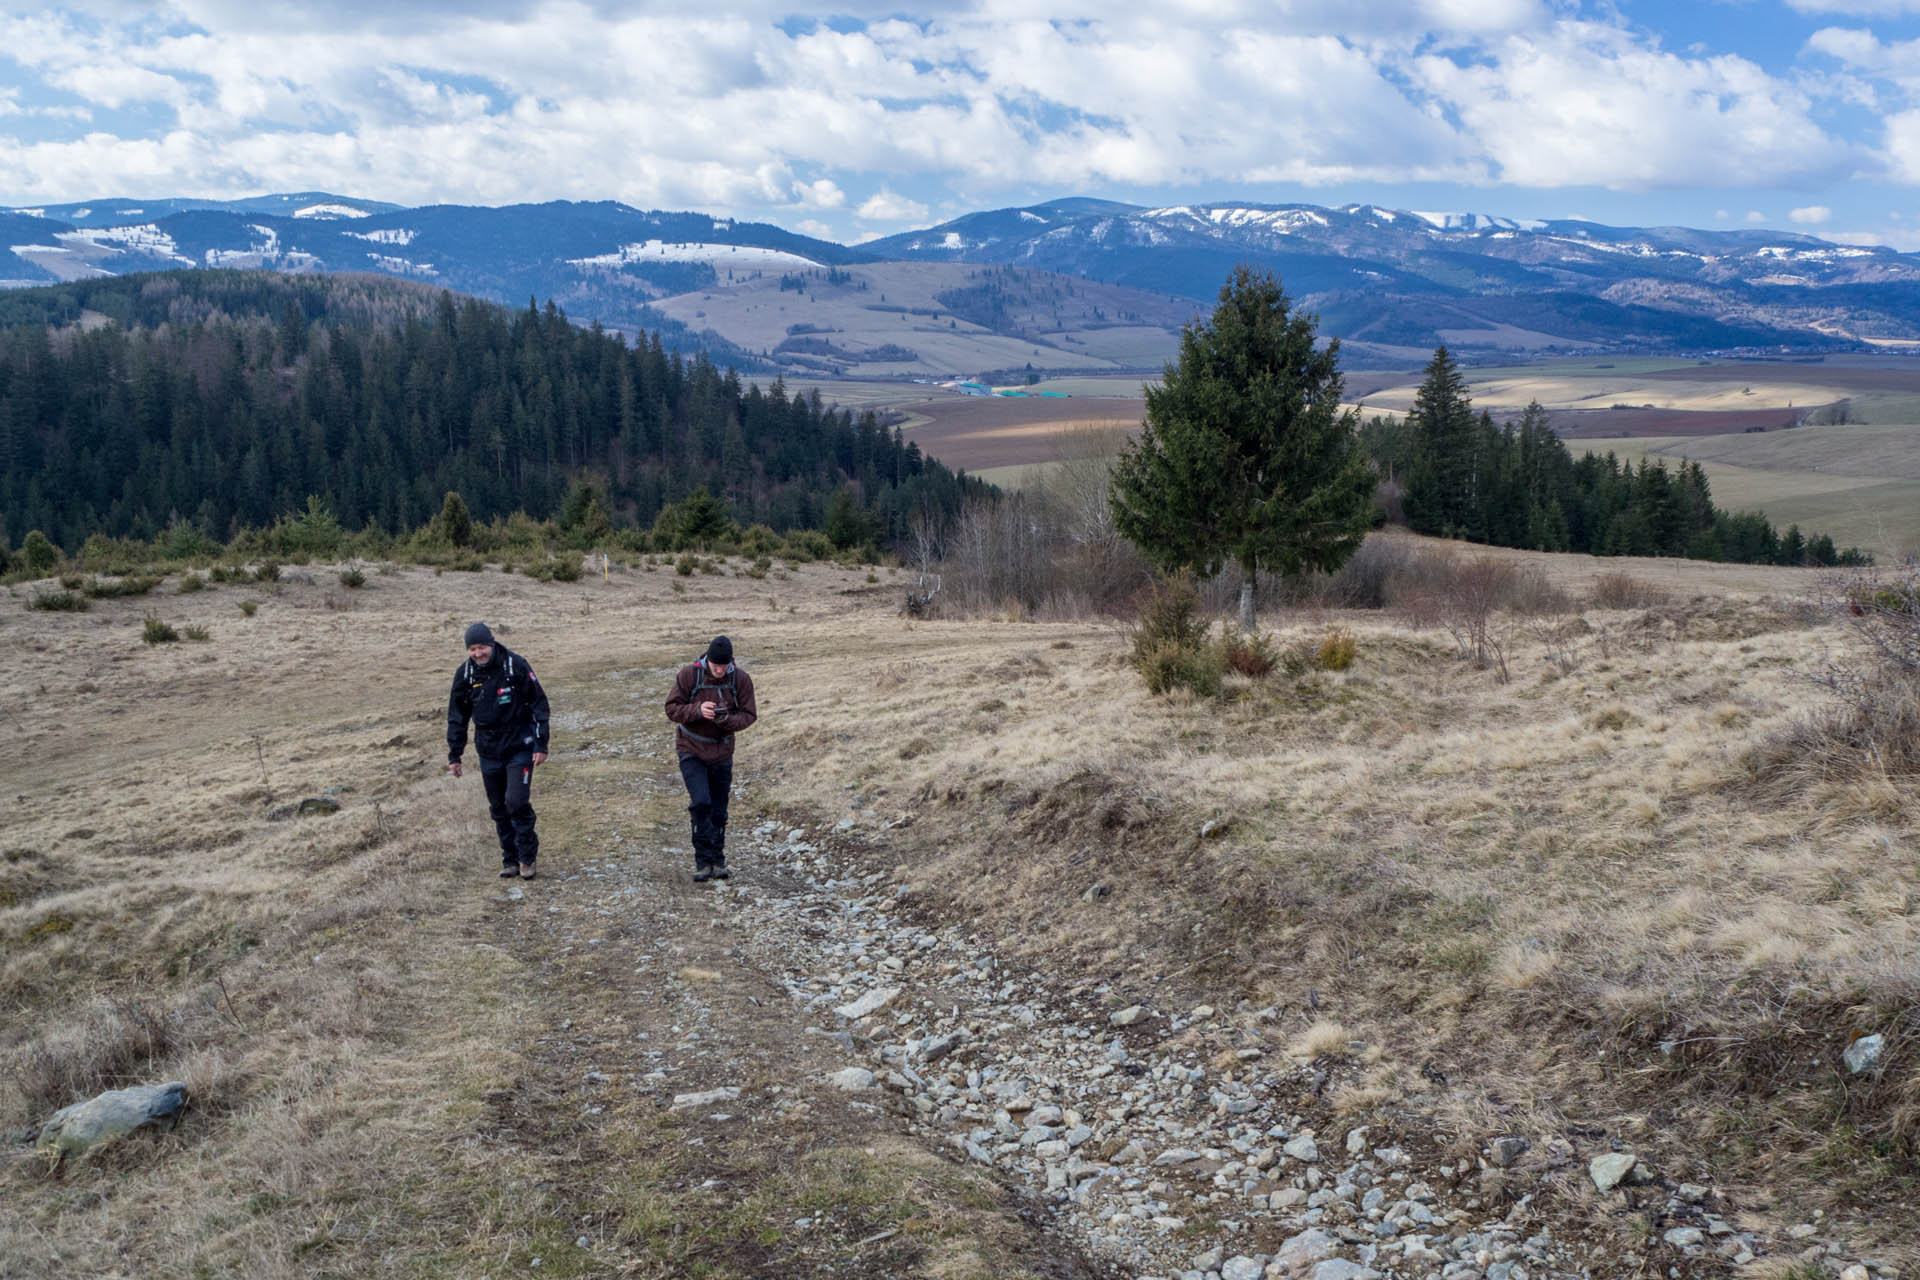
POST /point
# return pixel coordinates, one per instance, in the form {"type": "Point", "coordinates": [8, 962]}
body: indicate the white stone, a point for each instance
{"type": "Point", "coordinates": [691, 1101]}
{"type": "Point", "coordinates": [870, 1003]}
{"type": "Point", "coordinates": [1303, 1149]}
{"type": "Point", "coordinates": [851, 1079]}
{"type": "Point", "coordinates": [1864, 1054]}
{"type": "Point", "coordinates": [1608, 1170]}
{"type": "Point", "coordinates": [1126, 1017]}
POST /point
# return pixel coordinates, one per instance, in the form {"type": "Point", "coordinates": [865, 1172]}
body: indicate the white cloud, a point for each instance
{"type": "Point", "coordinates": [490, 101]}
{"type": "Point", "coordinates": [1811, 215]}
{"type": "Point", "coordinates": [1754, 215]}
{"type": "Point", "coordinates": [885, 206]}
{"type": "Point", "coordinates": [822, 193]}
{"type": "Point", "coordinates": [815, 228]}
{"type": "Point", "coordinates": [1588, 104]}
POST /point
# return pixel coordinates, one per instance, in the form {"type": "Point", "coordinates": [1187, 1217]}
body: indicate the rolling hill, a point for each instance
{"type": "Point", "coordinates": [1066, 286]}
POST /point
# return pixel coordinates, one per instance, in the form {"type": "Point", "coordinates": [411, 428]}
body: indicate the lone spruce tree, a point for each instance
{"type": "Point", "coordinates": [1245, 455]}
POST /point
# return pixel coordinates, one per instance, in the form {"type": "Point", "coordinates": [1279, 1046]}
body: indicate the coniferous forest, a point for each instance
{"type": "Point", "coordinates": [226, 399]}
{"type": "Point", "coordinates": [1518, 485]}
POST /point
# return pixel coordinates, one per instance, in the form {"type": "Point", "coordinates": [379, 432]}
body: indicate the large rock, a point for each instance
{"type": "Point", "coordinates": [1609, 1171]}
{"type": "Point", "coordinates": [76, 1129]}
{"type": "Point", "coordinates": [1303, 1149]}
{"type": "Point", "coordinates": [852, 1079]}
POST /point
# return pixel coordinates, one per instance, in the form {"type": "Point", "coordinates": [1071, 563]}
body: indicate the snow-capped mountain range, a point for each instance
{"type": "Point", "coordinates": [1390, 279]}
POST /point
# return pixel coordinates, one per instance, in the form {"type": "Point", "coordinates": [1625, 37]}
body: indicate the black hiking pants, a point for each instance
{"type": "Point", "coordinates": [509, 798]}
{"type": "Point", "coordinates": [707, 787]}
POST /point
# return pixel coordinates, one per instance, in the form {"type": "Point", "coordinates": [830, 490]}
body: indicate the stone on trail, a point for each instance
{"type": "Point", "coordinates": [114, 1114]}
{"type": "Point", "coordinates": [1241, 1267]}
{"type": "Point", "coordinates": [1341, 1269]}
{"type": "Point", "coordinates": [851, 1079]}
{"type": "Point", "coordinates": [1128, 1016]}
{"type": "Point", "coordinates": [872, 1002]}
{"type": "Point", "coordinates": [1311, 1245]}
{"type": "Point", "coordinates": [1303, 1149]}
{"type": "Point", "coordinates": [690, 1101]}
{"type": "Point", "coordinates": [1609, 1170]}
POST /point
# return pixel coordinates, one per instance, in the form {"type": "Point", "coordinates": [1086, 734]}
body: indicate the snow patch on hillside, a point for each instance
{"type": "Point", "coordinates": [1029, 216]}
{"type": "Point", "coordinates": [144, 238]}
{"type": "Point", "coordinates": [731, 255]}
{"type": "Point", "coordinates": [331, 211]}
{"type": "Point", "coordinates": [387, 235]}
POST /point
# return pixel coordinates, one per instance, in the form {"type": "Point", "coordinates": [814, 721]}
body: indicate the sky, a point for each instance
{"type": "Point", "coordinates": [862, 120]}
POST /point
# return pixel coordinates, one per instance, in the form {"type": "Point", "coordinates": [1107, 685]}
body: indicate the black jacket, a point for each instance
{"type": "Point", "coordinates": [506, 704]}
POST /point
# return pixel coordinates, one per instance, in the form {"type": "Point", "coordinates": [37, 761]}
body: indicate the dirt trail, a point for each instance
{"type": "Point", "coordinates": [653, 988]}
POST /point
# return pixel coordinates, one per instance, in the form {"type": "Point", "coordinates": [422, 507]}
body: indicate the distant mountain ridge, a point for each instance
{"type": "Point", "coordinates": [1391, 283]}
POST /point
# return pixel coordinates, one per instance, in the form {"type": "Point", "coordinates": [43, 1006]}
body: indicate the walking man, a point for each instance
{"type": "Point", "coordinates": [711, 701]}
{"type": "Point", "coordinates": [497, 690]}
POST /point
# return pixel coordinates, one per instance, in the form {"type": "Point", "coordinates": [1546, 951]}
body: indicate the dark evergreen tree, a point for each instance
{"type": "Point", "coordinates": [1442, 485]}
{"type": "Point", "coordinates": [1246, 456]}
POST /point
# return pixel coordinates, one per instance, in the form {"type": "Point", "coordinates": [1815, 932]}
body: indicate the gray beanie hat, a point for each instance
{"type": "Point", "coordinates": [479, 633]}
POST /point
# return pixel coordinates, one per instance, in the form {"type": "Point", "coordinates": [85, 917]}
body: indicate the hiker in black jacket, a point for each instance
{"type": "Point", "coordinates": [497, 690]}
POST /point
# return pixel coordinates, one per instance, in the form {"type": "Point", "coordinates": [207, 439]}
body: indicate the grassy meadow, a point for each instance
{"type": "Point", "coordinates": [1602, 884]}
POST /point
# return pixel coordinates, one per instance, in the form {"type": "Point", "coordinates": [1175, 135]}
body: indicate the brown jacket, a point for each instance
{"type": "Point", "coordinates": [710, 741]}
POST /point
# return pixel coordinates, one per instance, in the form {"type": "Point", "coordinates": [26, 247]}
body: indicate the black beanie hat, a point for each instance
{"type": "Point", "coordinates": [720, 651]}
{"type": "Point", "coordinates": [478, 633]}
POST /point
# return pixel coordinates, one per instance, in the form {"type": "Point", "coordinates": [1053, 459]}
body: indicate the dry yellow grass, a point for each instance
{"type": "Point", "coordinates": [1529, 887]}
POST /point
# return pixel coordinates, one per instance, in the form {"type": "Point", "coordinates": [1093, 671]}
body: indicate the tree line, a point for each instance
{"type": "Point", "coordinates": [1458, 475]}
{"type": "Point", "coordinates": [225, 400]}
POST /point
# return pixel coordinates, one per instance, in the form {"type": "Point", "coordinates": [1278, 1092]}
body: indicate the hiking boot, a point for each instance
{"type": "Point", "coordinates": [703, 875]}
{"type": "Point", "coordinates": [723, 872]}
{"type": "Point", "coordinates": [526, 871]}
{"type": "Point", "coordinates": [509, 871]}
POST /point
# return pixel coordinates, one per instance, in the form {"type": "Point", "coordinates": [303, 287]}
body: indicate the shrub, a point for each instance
{"type": "Point", "coordinates": [198, 633]}
{"type": "Point", "coordinates": [100, 588]}
{"type": "Point", "coordinates": [352, 579]}
{"type": "Point", "coordinates": [155, 630]}
{"type": "Point", "coordinates": [38, 553]}
{"type": "Point", "coordinates": [249, 607]}
{"type": "Point", "coordinates": [809, 544]}
{"type": "Point", "coordinates": [1170, 645]}
{"type": "Point", "coordinates": [1167, 667]}
{"type": "Point", "coordinates": [190, 582]}
{"type": "Point", "coordinates": [1336, 650]}
{"type": "Point", "coordinates": [268, 572]}
{"type": "Point", "coordinates": [59, 602]}
{"type": "Point", "coordinates": [1616, 590]}
{"type": "Point", "coordinates": [1875, 729]}
{"type": "Point", "coordinates": [685, 565]}
{"type": "Point", "coordinates": [71, 581]}
{"type": "Point", "coordinates": [1248, 654]}
{"type": "Point", "coordinates": [566, 568]}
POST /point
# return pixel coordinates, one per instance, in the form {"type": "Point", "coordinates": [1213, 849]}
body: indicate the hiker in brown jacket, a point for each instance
{"type": "Point", "coordinates": [712, 699]}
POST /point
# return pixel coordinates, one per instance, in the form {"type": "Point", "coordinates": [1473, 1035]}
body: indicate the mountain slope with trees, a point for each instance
{"type": "Point", "coordinates": [226, 399]}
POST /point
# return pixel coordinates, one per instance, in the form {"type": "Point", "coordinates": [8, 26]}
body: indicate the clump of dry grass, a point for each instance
{"type": "Point", "coordinates": [109, 1045]}
{"type": "Point", "coordinates": [1617, 590]}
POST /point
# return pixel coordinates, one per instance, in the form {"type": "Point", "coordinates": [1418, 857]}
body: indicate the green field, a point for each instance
{"type": "Point", "coordinates": [1858, 483]}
